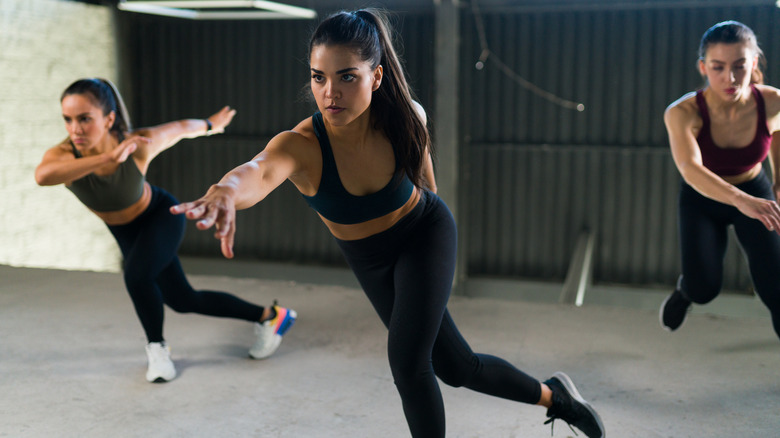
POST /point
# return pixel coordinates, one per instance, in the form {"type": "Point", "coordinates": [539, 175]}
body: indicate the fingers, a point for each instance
{"type": "Point", "coordinates": [128, 146]}
{"type": "Point", "coordinates": [182, 208]}
{"type": "Point", "coordinates": [771, 218]}
{"type": "Point", "coordinates": [226, 243]}
{"type": "Point", "coordinates": [196, 210]}
{"type": "Point", "coordinates": [134, 142]}
{"type": "Point", "coordinates": [222, 118]}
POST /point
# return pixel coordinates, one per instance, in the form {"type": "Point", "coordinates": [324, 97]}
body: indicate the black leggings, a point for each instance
{"type": "Point", "coordinates": [407, 274]}
{"type": "Point", "coordinates": [703, 237]}
{"type": "Point", "coordinates": [153, 273]}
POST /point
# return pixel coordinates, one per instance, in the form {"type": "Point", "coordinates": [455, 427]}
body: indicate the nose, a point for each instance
{"type": "Point", "coordinates": [732, 76]}
{"type": "Point", "coordinates": [331, 91]}
{"type": "Point", "coordinates": [74, 127]}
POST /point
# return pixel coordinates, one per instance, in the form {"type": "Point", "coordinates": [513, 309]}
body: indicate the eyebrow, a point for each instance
{"type": "Point", "coordinates": [338, 72]}
{"type": "Point", "coordinates": [724, 62]}
{"type": "Point", "coordinates": [77, 115]}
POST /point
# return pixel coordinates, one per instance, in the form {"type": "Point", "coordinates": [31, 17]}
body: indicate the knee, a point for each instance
{"type": "Point", "coordinates": [409, 374]}
{"type": "Point", "coordinates": [179, 303]}
{"type": "Point", "coordinates": [700, 291]}
{"type": "Point", "coordinates": [136, 280]}
{"type": "Point", "coordinates": [450, 378]}
{"type": "Point", "coordinates": [453, 373]}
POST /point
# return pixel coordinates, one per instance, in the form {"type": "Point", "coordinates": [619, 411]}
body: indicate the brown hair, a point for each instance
{"type": "Point", "coordinates": [734, 32]}
{"type": "Point", "coordinates": [105, 95]}
{"type": "Point", "coordinates": [367, 32]}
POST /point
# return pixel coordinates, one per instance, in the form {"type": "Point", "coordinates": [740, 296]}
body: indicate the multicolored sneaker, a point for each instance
{"type": "Point", "coordinates": [161, 367]}
{"type": "Point", "coordinates": [569, 406]}
{"type": "Point", "coordinates": [674, 309]}
{"type": "Point", "coordinates": [269, 333]}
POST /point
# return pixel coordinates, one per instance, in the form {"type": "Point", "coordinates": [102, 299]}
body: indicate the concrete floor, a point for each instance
{"type": "Point", "coordinates": [72, 362]}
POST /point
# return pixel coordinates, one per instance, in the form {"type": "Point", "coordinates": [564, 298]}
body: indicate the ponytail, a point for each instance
{"type": "Point", "coordinates": [106, 96]}
{"type": "Point", "coordinates": [392, 107]}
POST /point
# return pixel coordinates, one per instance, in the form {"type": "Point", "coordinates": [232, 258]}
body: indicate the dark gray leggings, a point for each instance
{"type": "Point", "coordinates": [153, 273]}
{"type": "Point", "coordinates": [407, 273]}
{"type": "Point", "coordinates": [703, 236]}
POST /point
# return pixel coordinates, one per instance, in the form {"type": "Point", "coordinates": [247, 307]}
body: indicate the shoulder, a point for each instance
{"type": "Point", "coordinates": [683, 109]}
{"type": "Point", "coordinates": [768, 91]}
{"type": "Point", "coordinates": [299, 143]}
{"type": "Point", "coordinates": [420, 112]}
{"type": "Point", "coordinates": [301, 135]}
{"type": "Point", "coordinates": [62, 149]}
{"type": "Point", "coordinates": [771, 97]}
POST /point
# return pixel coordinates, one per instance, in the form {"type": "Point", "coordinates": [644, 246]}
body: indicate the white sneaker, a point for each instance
{"type": "Point", "coordinates": [161, 367]}
{"type": "Point", "coordinates": [269, 333]}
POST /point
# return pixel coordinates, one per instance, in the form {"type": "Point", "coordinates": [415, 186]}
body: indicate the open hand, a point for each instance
{"type": "Point", "coordinates": [221, 119]}
{"type": "Point", "coordinates": [216, 208]}
{"type": "Point", "coordinates": [120, 153]}
{"type": "Point", "coordinates": [764, 210]}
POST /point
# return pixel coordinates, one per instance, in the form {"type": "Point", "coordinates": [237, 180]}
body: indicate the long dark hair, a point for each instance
{"type": "Point", "coordinates": [367, 32]}
{"type": "Point", "coordinates": [734, 32]}
{"type": "Point", "coordinates": [105, 96]}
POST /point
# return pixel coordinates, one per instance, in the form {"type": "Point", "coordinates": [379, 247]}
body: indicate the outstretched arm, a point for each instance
{"type": "Point", "coordinates": [60, 166]}
{"type": "Point", "coordinates": [687, 157]}
{"type": "Point", "coordinates": [168, 134]}
{"type": "Point", "coordinates": [241, 188]}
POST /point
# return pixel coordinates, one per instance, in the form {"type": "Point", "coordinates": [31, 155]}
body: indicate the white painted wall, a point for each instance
{"type": "Point", "coordinates": [44, 46]}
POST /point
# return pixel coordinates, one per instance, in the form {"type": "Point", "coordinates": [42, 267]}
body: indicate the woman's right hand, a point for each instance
{"type": "Point", "coordinates": [120, 153]}
{"type": "Point", "coordinates": [216, 208]}
{"type": "Point", "coordinates": [764, 210]}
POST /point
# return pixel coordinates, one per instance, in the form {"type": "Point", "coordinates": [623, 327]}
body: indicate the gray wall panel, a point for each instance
{"type": "Point", "coordinates": [548, 195]}
{"type": "Point", "coordinates": [534, 174]}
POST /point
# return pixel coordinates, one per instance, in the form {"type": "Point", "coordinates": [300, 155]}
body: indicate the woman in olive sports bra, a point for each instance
{"type": "Point", "coordinates": [104, 162]}
{"type": "Point", "coordinates": [363, 164]}
{"type": "Point", "coordinates": [719, 137]}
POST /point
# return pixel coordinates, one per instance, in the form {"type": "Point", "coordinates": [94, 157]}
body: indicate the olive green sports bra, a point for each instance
{"type": "Point", "coordinates": [113, 192]}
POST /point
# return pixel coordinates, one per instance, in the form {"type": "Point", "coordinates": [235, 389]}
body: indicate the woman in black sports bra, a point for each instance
{"type": "Point", "coordinates": [104, 162]}
{"type": "Point", "coordinates": [363, 163]}
{"type": "Point", "coordinates": [719, 137]}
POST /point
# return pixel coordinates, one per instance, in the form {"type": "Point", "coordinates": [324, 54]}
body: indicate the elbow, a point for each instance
{"type": "Point", "coordinates": [688, 170]}
{"type": "Point", "coordinates": [42, 178]}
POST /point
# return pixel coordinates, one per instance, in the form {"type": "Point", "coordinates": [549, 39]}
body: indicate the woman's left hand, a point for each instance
{"type": "Point", "coordinates": [221, 119]}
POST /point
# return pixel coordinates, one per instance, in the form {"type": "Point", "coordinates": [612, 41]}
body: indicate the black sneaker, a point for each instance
{"type": "Point", "coordinates": [674, 309]}
{"type": "Point", "coordinates": [569, 406]}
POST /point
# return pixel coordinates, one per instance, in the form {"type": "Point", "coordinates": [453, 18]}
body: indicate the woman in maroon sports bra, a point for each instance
{"type": "Point", "coordinates": [719, 137]}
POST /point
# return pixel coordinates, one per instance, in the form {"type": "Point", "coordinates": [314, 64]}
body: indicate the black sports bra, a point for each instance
{"type": "Point", "coordinates": [336, 204]}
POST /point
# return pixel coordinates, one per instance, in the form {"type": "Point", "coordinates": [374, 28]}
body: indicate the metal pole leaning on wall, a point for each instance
{"type": "Point", "coordinates": [580, 270]}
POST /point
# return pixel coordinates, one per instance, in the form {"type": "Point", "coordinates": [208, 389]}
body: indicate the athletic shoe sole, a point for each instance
{"type": "Point", "coordinates": [572, 390]}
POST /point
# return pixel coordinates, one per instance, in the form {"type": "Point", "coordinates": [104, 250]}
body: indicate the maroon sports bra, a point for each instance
{"type": "Point", "coordinates": [733, 161]}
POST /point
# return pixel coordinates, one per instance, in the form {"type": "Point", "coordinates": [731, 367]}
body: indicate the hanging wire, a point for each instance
{"type": "Point", "coordinates": [488, 55]}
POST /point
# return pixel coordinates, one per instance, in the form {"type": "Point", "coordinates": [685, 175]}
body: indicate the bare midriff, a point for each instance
{"type": "Point", "coordinates": [743, 177]}
{"type": "Point", "coordinates": [373, 226]}
{"type": "Point", "coordinates": [126, 215]}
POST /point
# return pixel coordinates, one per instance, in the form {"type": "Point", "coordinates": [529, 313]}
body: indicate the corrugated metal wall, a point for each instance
{"type": "Point", "coordinates": [537, 174]}
{"type": "Point", "coordinates": [179, 68]}
{"type": "Point", "coordinates": [534, 174]}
